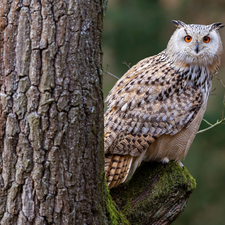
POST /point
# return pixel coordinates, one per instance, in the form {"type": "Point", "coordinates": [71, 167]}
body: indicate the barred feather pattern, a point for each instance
{"type": "Point", "coordinates": [154, 98]}
{"type": "Point", "coordinates": [118, 168]}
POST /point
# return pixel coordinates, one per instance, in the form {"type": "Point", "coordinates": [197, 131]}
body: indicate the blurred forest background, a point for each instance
{"type": "Point", "coordinates": [136, 29]}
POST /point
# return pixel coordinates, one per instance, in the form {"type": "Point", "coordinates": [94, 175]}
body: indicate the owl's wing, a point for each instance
{"type": "Point", "coordinates": [150, 100]}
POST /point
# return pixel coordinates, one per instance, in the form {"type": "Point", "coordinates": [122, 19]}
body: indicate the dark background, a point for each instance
{"type": "Point", "coordinates": [136, 29]}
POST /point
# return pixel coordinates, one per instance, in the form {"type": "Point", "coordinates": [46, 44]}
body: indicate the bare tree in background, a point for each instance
{"type": "Point", "coordinates": [51, 112]}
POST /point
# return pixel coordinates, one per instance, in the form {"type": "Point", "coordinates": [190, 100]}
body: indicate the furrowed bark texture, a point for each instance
{"type": "Point", "coordinates": [155, 195]}
{"type": "Point", "coordinates": [51, 112]}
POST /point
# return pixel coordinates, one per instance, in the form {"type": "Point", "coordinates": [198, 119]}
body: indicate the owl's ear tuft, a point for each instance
{"type": "Point", "coordinates": [217, 26]}
{"type": "Point", "coordinates": [178, 23]}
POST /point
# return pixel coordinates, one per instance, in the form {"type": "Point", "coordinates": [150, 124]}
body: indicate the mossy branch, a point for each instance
{"type": "Point", "coordinates": [155, 195]}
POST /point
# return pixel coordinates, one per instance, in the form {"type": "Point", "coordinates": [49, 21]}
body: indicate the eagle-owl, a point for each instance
{"type": "Point", "coordinates": [155, 109]}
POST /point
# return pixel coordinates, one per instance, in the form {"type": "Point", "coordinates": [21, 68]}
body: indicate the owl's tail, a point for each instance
{"type": "Point", "coordinates": [117, 168]}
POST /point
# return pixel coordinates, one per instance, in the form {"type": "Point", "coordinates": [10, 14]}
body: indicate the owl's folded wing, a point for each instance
{"type": "Point", "coordinates": [143, 106]}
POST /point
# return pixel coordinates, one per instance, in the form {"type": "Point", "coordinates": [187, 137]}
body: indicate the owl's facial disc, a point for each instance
{"type": "Point", "coordinates": [195, 44]}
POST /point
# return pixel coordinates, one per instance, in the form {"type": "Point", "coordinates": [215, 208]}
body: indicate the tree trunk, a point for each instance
{"type": "Point", "coordinates": [51, 113]}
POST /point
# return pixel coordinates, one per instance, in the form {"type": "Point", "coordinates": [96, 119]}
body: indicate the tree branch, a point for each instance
{"type": "Point", "coordinates": [155, 195]}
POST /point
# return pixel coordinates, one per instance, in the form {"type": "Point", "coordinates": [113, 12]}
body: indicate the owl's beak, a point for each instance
{"type": "Point", "coordinates": [196, 47]}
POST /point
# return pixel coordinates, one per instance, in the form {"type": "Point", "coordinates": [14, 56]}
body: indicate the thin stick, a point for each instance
{"type": "Point", "coordinates": [112, 75]}
{"type": "Point", "coordinates": [125, 63]}
{"type": "Point", "coordinates": [217, 122]}
{"type": "Point", "coordinates": [207, 122]}
{"type": "Point", "coordinates": [220, 81]}
{"type": "Point", "coordinates": [208, 128]}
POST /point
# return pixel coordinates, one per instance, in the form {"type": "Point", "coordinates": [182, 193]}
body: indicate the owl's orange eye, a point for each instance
{"type": "Point", "coordinates": [187, 38]}
{"type": "Point", "coordinates": [206, 39]}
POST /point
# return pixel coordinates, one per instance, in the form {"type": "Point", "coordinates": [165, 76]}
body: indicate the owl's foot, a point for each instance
{"type": "Point", "coordinates": [180, 164]}
{"type": "Point", "coordinates": [165, 161]}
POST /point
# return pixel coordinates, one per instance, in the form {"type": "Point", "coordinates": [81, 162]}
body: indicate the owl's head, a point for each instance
{"type": "Point", "coordinates": [194, 44]}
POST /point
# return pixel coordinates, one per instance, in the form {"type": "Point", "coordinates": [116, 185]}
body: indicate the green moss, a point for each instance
{"type": "Point", "coordinates": [160, 183]}
{"type": "Point", "coordinates": [116, 218]}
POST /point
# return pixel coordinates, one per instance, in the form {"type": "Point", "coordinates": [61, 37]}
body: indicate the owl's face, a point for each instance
{"type": "Point", "coordinates": [195, 44]}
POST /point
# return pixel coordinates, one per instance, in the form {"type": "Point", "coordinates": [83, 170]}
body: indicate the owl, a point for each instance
{"type": "Point", "coordinates": [155, 109]}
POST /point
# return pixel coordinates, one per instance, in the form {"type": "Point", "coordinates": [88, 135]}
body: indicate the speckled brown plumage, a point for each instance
{"type": "Point", "coordinates": [154, 112]}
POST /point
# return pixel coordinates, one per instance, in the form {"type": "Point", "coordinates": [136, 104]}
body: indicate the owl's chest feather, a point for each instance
{"type": "Point", "coordinates": [198, 77]}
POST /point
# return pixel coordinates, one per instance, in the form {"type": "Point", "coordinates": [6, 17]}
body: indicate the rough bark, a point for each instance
{"type": "Point", "coordinates": [51, 113]}
{"type": "Point", "coordinates": [156, 194]}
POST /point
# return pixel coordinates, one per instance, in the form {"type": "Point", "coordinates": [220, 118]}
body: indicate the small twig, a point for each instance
{"type": "Point", "coordinates": [220, 81]}
{"type": "Point", "coordinates": [207, 122]}
{"type": "Point", "coordinates": [112, 75]}
{"type": "Point", "coordinates": [208, 128]}
{"type": "Point", "coordinates": [217, 122]}
{"type": "Point", "coordinates": [125, 63]}
{"type": "Point", "coordinates": [211, 92]}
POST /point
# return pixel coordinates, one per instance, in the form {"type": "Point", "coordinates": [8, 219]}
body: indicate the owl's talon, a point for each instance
{"type": "Point", "coordinates": [165, 160]}
{"type": "Point", "coordinates": [180, 164]}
